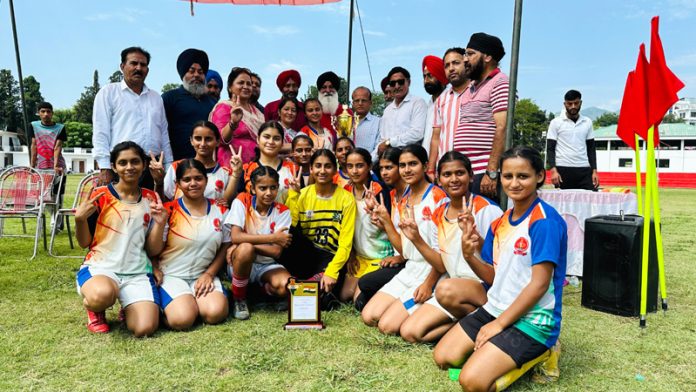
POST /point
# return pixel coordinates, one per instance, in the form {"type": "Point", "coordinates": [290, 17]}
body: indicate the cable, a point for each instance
{"type": "Point", "coordinates": [369, 69]}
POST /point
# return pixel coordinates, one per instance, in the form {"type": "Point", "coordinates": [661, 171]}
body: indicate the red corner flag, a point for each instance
{"type": "Point", "coordinates": [633, 117]}
{"type": "Point", "coordinates": [663, 85]}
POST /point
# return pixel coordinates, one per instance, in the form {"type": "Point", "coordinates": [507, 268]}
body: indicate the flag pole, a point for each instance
{"type": "Point", "coordinates": [639, 182]}
{"type": "Point", "coordinates": [646, 226]}
{"type": "Point", "coordinates": [658, 238]}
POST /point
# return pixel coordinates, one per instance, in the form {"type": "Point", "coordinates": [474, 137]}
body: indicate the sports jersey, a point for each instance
{"type": "Point", "coordinates": [325, 140]}
{"type": "Point", "coordinates": [244, 215]}
{"type": "Point", "coordinates": [513, 247]}
{"type": "Point", "coordinates": [192, 241]}
{"type": "Point", "coordinates": [286, 171]}
{"type": "Point", "coordinates": [341, 179]}
{"type": "Point", "coordinates": [369, 241]}
{"type": "Point", "coordinates": [218, 178]}
{"type": "Point", "coordinates": [432, 198]}
{"type": "Point", "coordinates": [328, 222]}
{"type": "Point", "coordinates": [118, 240]}
{"type": "Point", "coordinates": [449, 235]}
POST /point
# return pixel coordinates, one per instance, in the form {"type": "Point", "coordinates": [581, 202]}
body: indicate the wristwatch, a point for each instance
{"type": "Point", "coordinates": [387, 143]}
{"type": "Point", "coordinates": [493, 174]}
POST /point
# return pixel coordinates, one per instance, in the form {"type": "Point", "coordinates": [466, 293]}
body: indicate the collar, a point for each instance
{"type": "Point", "coordinates": [489, 77]}
{"type": "Point", "coordinates": [407, 98]}
{"type": "Point", "coordinates": [124, 86]}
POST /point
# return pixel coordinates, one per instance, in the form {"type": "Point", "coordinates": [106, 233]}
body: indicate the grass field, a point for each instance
{"type": "Point", "coordinates": [44, 344]}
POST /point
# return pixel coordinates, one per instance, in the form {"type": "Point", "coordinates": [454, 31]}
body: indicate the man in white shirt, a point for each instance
{"type": "Point", "coordinates": [129, 110]}
{"type": "Point", "coordinates": [403, 121]}
{"type": "Point", "coordinates": [434, 82]}
{"type": "Point", "coordinates": [570, 147]}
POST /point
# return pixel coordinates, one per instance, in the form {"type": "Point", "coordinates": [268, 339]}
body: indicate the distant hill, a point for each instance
{"type": "Point", "coordinates": [591, 112]}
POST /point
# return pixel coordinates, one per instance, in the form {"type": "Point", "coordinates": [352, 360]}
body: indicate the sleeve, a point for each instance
{"type": "Point", "coordinates": [101, 129]}
{"type": "Point", "coordinates": [486, 216]}
{"type": "Point", "coordinates": [551, 153]}
{"type": "Point", "coordinates": [164, 137]}
{"type": "Point", "coordinates": [433, 234]}
{"type": "Point", "coordinates": [284, 219]}
{"type": "Point", "coordinates": [220, 116]}
{"type": "Point", "coordinates": [375, 142]}
{"type": "Point", "coordinates": [345, 239]}
{"type": "Point", "coordinates": [226, 229]}
{"type": "Point", "coordinates": [63, 135]}
{"type": "Point", "coordinates": [552, 132]}
{"type": "Point", "coordinates": [499, 96]}
{"type": "Point", "coordinates": [293, 203]}
{"type": "Point", "coordinates": [546, 236]}
{"type": "Point", "coordinates": [487, 250]}
{"type": "Point", "coordinates": [416, 128]}
{"type": "Point", "coordinates": [437, 115]}
{"type": "Point", "coordinates": [30, 133]}
{"type": "Point", "coordinates": [170, 183]}
{"type": "Point", "coordinates": [236, 216]}
{"type": "Point", "coordinates": [591, 153]}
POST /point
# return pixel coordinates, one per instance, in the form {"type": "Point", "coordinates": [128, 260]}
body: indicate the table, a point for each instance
{"type": "Point", "coordinates": [577, 205]}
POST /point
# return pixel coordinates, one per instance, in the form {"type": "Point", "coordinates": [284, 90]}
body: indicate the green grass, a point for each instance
{"type": "Point", "coordinates": [44, 344]}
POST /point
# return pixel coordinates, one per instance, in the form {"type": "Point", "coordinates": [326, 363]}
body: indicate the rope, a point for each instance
{"type": "Point", "coordinates": [367, 56]}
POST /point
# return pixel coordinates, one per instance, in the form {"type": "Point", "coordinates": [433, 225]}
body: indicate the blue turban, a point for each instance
{"type": "Point", "coordinates": [213, 75]}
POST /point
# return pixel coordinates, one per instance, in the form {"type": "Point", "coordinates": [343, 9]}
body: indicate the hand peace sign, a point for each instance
{"type": "Point", "coordinates": [87, 207]}
{"type": "Point", "coordinates": [380, 215]}
{"type": "Point", "coordinates": [236, 112]}
{"type": "Point", "coordinates": [408, 224]}
{"type": "Point", "coordinates": [236, 161]}
{"type": "Point", "coordinates": [157, 167]}
{"type": "Point", "coordinates": [466, 217]}
{"type": "Point", "coordinates": [157, 211]}
{"type": "Point", "coordinates": [370, 201]}
{"type": "Point", "coordinates": [295, 182]}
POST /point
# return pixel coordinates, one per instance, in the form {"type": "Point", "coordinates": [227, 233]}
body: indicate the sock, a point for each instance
{"type": "Point", "coordinates": [316, 277]}
{"type": "Point", "coordinates": [239, 287]}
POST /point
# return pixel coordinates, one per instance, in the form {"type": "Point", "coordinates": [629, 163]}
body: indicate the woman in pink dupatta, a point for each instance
{"type": "Point", "coordinates": [237, 119]}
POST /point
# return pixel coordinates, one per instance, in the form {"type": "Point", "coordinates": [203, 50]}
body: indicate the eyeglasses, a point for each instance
{"type": "Point", "coordinates": [394, 83]}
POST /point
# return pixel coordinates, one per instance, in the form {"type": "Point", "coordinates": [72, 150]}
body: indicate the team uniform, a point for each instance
{"type": "Point", "coordinates": [325, 140]}
{"type": "Point", "coordinates": [513, 247]}
{"type": "Point", "coordinates": [328, 224]}
{"type": "Point", "coordinates": [119, 230]}
{"type": "Point", "coordinates": [370, 243]}
{"type": "Point", "coordinates": [191, 245]}
{"type": "Point", "coordinates": [417, 268]}
{"type": "Point", "coordinates": [244, 215]}
{"type": "Point", "coordinates": [341, 179]}
{"type": "Point", "coordinates": [286, 171]}
{"type": "Point", "coordinates": [218, 178]}
{"type": "Point", "coordinates": [449, 240]}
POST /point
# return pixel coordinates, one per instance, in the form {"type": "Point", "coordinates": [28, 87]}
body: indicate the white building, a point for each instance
{"type": "Point", "coordinates": [685, 109]}
{"type": "Point", "coordinates": [77, 160]}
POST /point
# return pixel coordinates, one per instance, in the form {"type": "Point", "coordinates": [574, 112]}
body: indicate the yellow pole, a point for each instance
{"type": "Point", "coordinates": [658, 236]}
{"type": "Point", "coordinates": [639, 182]}
{"type": "Point", "coordinates": [646, 227]}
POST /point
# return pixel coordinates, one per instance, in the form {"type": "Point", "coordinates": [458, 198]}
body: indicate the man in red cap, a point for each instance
{"type": "Point", "coordinates": [434, 82]}
{"type": "Point", "coordinates": [288, 82]}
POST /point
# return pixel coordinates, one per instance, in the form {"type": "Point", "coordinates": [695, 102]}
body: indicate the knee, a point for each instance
{"type": "Point", "coordinates": [471, 382]}
{"type": "Point", "coordinates": [368, 317]}
{"type": "Point", "coordinates": [445, 293]}
{"type": "Point", "coordinates": [442, 357]}
{"type": "Point", "coordinates": [180, 322]}
{"type": "Point", "coordinates": [279, 290]}
{"type": "Point", "coordinates": [387, 327]}
{"type": "Point", "coordinates": [99, 297]}
{"type": "Point", "coordinates": [144, 328]}
{"type": "Point", "coordinates": [410, 333]}
{"type": "Point", "coordinates": [215, 313]}
{"type": "Point", "coordinates": [246, 251]}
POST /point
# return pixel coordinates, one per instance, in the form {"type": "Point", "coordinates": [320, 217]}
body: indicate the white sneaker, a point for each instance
{"type": "Point", "coordinates": [241, 310]}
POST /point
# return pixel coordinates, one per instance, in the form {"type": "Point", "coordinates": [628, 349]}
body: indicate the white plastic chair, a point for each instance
{"type": "Point", "coordinates": [84, 188]}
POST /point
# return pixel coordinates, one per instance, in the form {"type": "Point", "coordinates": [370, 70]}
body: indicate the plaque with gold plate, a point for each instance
{"type": "Point", "coordinates": [304, 307]}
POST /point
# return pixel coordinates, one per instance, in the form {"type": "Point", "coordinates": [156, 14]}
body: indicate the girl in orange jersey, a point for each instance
{"type": "Point", "coordinates": [302, 149]}
{"type": "Point", "coordinates": [322, 137]}
{"type": "Point", "coordinates": [193, 252]}
{"type": "Point", "coordinates": [343, 147]}
{"type": "Point", "coordinates": [120, 223]}
{"type": "Point", "coordinates": [270, 142]}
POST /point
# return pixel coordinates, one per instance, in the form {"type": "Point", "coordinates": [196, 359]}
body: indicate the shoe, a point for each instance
{"type": "Point", "coordinates": [548, 370]}
{"type": "Point", "coordinates": [281, 306]}
{"type": "Point", "coordinates": [241, 310]}
{"type": "Point", "coordinates": [97, 322]}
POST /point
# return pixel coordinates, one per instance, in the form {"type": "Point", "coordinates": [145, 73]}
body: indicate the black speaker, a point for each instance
{"type": "Point", "coordinates": [612, 265]}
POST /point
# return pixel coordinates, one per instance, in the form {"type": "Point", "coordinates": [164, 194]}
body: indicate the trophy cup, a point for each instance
{"type": "Point", "coordinates": [345, 123]}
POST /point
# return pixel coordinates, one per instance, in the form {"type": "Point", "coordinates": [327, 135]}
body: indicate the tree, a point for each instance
{"type": "Point", "coordinates": [378, 103]}
{"type": "Point", "coordinates": [170, 86]}
{"type": "Point", "coordinates": [63, 115]}
{"type": "Point", "coordinates": [672, 119]}
{"type": "Point", "coordinates": [32, 97]}
{"type": "Point", "coordinates": [116, 76]}
{"type": "Point", "coordinates": [84, 106]}
{"type": "Point", "coordinates": [79, 134]}
{"type": "Point", "coordinates": [606, 119]}
{"type": "Point", "coordinates": [530, 125]}
{"type": "Point", "coordinates": [10, 109]}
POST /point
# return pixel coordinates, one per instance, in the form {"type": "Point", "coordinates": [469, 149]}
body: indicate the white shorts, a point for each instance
{"type": "Point", "coordinates": [433, 301]}
{"type": "Point", "coordinates": [257, 271]}
{"type": "Point", "coordinates": [404, 284]}
{"type": "Point", "coordinates": [131, 288]}
{"type": "Point", "coordinates": [173, 287]}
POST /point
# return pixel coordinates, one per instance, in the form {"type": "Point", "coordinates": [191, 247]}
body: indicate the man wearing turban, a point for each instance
{"type": "Point", "coordinates": [386, 90]}
{"type": "Point", "coordinates": [188, 103]}
{"type": "Point", "coordinates": [328, 84]}
{"type": "Point", "coordinates": [213, 84]}
{"type": "Point", "coordinates": [434, 82]}
{"type": "Point", "coordinates": [288, 82]}
{"type": "Point", "coordinates": [481, 130]}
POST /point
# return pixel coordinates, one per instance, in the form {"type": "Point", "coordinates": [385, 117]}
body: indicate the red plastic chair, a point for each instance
{"type": "Point", "coordinates": [21, 196]}
{"type": "Point", "coordinates": [84, 188]}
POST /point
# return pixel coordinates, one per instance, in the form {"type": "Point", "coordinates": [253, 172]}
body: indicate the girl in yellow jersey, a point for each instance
{"type": "Point", "coordinates": [119, 223]}
{"type": "Point", "coordinates": [323, 217]}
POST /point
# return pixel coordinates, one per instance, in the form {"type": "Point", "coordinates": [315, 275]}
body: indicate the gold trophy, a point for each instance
{"type": "Point", "coordinates": [345, 123]}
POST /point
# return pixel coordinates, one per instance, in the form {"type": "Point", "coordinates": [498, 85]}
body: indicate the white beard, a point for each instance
{"type": "Point", "coordinates": [329, 102]}
{"type": "Point", "coordinates": [196, 89]}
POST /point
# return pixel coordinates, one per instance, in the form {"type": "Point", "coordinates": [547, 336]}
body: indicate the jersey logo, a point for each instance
{"type": "Point", "coordinates": [310, 214]}
{"type": "Point", "coordinates": [216, 224]}
{"type": "Point", "coordinates": [427, 214]}
{"type": "Point", "coordinates": [272, 227]}
{"type": "Point", "coordinates": [146, 219]}
{"type": "Point", "coordinates": [219, 185]}
{"type": "Point", "coordinates": [286, 183]}
{"type": "Point", "coordinates": [336, 216]}
{"type": "Point", "coordinates": [521, 246]}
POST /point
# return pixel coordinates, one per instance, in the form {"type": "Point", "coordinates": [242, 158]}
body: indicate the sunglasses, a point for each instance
{"type": "Point", "coordinates": [394, 83]}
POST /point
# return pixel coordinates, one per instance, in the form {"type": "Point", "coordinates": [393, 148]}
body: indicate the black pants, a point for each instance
{"type": "Point", "coordinates": [576, 177]}
{"type": "Point", "coordinates": [476, 188]}
{"type": "Point", "coordinates": [370, 284]}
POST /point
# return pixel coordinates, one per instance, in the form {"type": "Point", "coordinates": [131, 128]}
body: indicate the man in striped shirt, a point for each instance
{"type": "Point", "coordinates": [480, 133]}
{"type": "Point", "coordinates": [447, 106]}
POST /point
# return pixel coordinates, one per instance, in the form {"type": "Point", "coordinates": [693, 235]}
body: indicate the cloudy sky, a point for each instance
{"type": "Point", "coordinates": [588, 45]}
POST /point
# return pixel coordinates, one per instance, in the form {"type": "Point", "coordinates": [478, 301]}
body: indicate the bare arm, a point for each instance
{"type": "Point", "coordinates": [500, 119]}
{"type": "Point", "coordinates": [434, 149]}
{"type": "Point", "coordinates": [32, 153]}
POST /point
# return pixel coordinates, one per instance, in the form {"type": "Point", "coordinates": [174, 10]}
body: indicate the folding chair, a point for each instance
{"type": "Point", "coordinates": [21, 196]}
{"type": "Point", "coordinates": [51, 196]}
{"type": "Point", "coordinates": [84, 188]}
